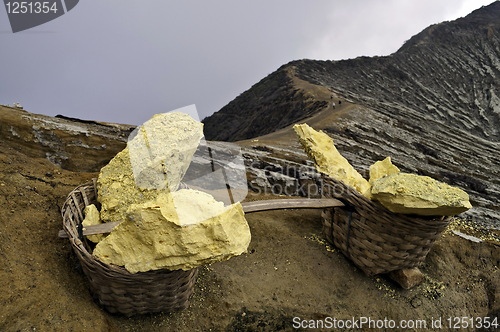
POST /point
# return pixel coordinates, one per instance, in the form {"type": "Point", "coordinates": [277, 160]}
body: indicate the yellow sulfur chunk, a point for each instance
{"type": "Point", "coordinates": [421, 195]}
{"type": "Point", "coordinates": [320, 148]}
{"type": "Point", "coordinates": [382, 168]}
{"type": "Point", "coordinates": [179, 230]}
{"type": "Point", "coordinates": [92, 218]}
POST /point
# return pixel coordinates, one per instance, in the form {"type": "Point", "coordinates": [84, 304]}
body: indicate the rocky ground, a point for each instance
{"type": "Point", "coordinates": [289, 270]}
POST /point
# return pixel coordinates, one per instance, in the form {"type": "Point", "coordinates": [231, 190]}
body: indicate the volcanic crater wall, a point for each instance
{"type": "Point", "coordinates": [275, 102]}
{"type": "Point", "coordinates": [433, 106]}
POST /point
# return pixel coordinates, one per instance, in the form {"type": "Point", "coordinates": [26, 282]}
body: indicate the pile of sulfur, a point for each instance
{"type": "Point", "coordinates": [163, 227]}
{"type": "Point", "coordinates": [397, 191]}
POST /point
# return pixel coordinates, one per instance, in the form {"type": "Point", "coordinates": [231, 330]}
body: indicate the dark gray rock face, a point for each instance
{"type": "Point", "coordinates": [275, 102]}
{"type": "Point", "coordinates": [433, 106]}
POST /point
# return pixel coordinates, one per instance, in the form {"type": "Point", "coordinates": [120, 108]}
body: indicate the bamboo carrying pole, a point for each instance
{"type": "Point", "coordinates": [248, 207]}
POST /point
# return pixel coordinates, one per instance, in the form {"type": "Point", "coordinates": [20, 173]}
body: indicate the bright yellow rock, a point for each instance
{"type": "Point", "coordinates": [179, 230]}
{"type": "Point", "coordinates": [154, 161]}
{"type": "Point", "coordinates": [382, 168]}
{"type": "Point", "coordinates": [92, 218]}
{"type": "Point", "coordinates": [162, 148]}
{"type": "Point", "coordinates": [320, 148]}
{"type": "Point", "coordinates": [164, 228]}
{"type": "Point", "coordinates": [117, 188]}
{"type": "Point", "coordinates": [421, 195]}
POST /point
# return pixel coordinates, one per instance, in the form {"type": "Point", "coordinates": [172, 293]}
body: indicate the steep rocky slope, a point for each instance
{"type": "Point", "coordinates": [275, 102]}
{"type": "Point", "coordinates": [433, 106]}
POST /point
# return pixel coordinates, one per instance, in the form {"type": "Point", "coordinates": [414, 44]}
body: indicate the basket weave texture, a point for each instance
{"type": "Point", "coordinates": [116, 289]}
{"type": "Point", "coordinates": [375, 239]}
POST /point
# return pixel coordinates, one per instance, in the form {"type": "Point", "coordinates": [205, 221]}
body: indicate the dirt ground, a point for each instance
{"type": "Point", "coordinates": [289, 276]}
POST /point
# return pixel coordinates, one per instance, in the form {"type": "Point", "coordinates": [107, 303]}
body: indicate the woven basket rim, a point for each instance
{"type": "Point", "coordinates": [79, 245]}
{"type": "Point", "coordinates": [355, 200]}
{"type": "Point", "coordinates": [374, 238]}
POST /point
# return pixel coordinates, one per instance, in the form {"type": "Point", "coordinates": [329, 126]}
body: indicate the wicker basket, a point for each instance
{"type": "Point", "coordinates": [116, 289]}
{"type": "Point", "coordinates": [375, 239]}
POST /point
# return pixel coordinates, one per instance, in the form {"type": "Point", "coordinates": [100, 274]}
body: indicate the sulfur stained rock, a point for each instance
{"type": "Point", "coordinates": [164, 228]}
{"type": "Point", "coordinates": [162, 148]}
{"type": "Point", "coordinates": [155, 160]}
{"type": "Point", "coordinates": [421, 195]}
{"type": "Point", "coordinates": [92, 218]}
{"type": "Point", "coordinates": [320, 148]}
{"type": "Point", "coordinates": [398, 192]}
{"type": "Point", "coordinates": [118, 189]}
{"type": "Point", "coordinates": [179, 230]}
{"type": "Point", "coordinates": [382, 168]}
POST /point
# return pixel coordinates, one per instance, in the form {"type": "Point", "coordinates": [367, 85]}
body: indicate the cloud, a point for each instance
{"type": "Point", "coordinates": [123, 61]}
{"type": "Point", "coordinates": [371, 28]}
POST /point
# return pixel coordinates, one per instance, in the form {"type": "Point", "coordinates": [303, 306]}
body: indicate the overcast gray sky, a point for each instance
{"type": "Point", "coordinates": [123, 60]}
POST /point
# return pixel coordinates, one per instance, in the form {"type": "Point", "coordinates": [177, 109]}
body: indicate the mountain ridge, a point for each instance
{"type": "Point", "coordinates": [433, 106]}
{"type": "Point", "coordinates": [442, 34]}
